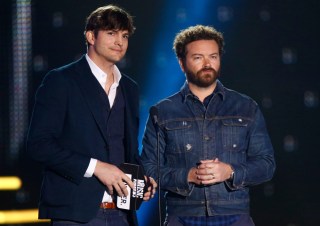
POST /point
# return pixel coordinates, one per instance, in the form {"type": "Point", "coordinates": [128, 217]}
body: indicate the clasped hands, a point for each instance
{"type": "Point", "coordinates": [114, 179]}
{"type": "Point", "coordinates": [209, 172]}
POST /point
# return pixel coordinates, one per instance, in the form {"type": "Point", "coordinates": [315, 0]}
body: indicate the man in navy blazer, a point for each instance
{"type": "Point", "coordinates": [84, 124]}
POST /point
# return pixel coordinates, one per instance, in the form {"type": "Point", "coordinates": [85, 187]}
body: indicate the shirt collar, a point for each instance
{"type": "Point", "coordinates": [101, 75]}
{"type": "Point", "coordinates": [186, 92]}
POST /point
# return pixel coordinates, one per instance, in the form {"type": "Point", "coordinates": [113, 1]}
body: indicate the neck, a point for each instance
{"type": "Point", "coordinates": [106, 66]}
{"type": "Point", "coordinates": [202, 92]}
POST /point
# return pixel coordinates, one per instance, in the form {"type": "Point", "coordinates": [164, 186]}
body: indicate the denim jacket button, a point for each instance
{"type": "Point", "coordinates": [206, 137]}
{"type": "Point", "coordinates": [188, 147]}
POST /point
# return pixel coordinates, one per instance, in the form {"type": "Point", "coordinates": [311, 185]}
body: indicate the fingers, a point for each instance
{"type": "Point", "coordinates": [121, 185]}
{"type": "Point", "coordinates": [205, 171]}
{"type": "Point", "coordinates": [207, 177]}
{"type": "Point", "coordinates": [146, 196]}
{"type": "Point", "coordinates": [206, 161]}
{"type": "Point", "coordinates": [126, 179]}
{"type": "Point", "coordinates": [113, 178]}
{"type": "Point", "coordinates": [121, 189]}
{"type": "Point", "coordinates": [151, 190]}
{"type": "Point", "coordinates": [153, 187]}
{"type": "Point", "coordinates": [206, 165]}
{"type": "Point", "coordinates": [213, 172]}
{"type": "Point", "coordinates": [118, 190]}
{"type": "Point", "coordinates": [117, 181]}
{"type": "Point", "coordinates": [110, 189]}
{"type": "Point", "coordinates": [208, 182]}
{"type": "Point", "coordinates": [154, 184]}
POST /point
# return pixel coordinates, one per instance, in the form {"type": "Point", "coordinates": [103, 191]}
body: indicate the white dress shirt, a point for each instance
{"type": "Point", "coordinates": [102, 79]}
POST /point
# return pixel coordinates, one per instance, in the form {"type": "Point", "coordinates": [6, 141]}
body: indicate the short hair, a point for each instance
{"type": "Point", "coordinates": [109, 17]}
{"type": "Point", "coordinates": [195, 33]}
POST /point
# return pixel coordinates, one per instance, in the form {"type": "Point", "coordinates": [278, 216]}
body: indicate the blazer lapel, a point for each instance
{"type": "Point", "coordinates": [94, 94]}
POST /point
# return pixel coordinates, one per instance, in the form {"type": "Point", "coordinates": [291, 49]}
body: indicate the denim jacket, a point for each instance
{"type": "Point", "coordinates": [231, 128]}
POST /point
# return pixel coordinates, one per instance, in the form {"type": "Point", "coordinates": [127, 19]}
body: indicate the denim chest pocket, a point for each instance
{"type": "Point", "coordinates": [179, 137]}
{"type": "Point", "coordinates": [234, 133]}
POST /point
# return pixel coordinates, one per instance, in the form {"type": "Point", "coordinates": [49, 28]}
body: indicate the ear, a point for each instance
{"type": "Point", "coordinates": [90, 37]}
{"type": "Point", "coordinates": [181, 64]}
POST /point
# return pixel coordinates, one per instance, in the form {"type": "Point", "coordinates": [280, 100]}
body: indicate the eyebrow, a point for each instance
{"type": "Point", "coordinates": [200, 54]}
{"type": "Point", "coordinates": [125, 32]}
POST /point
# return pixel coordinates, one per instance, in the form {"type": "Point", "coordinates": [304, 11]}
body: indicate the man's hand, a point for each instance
{"type": "Point", "coordinates": [193, 176]}
{"type": "Point", "coordinates": [210, 172]}
{"type": "Point", "coordinates": [151, 191]}
{"type": "Point", "coordinates": [113, 178]}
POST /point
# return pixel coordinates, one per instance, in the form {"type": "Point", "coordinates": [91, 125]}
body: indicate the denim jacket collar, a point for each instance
{"type": "Point", "coordinates": [186, 92]}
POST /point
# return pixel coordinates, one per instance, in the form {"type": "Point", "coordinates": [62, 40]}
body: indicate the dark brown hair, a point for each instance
{"type": "Point", "coordinates": [195, 33]}
{"type": "Point", "coordinates": [109, 17]}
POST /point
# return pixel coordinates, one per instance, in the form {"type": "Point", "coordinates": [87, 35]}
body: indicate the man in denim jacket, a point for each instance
{"type": "Point", "coordinates": [211, 142]}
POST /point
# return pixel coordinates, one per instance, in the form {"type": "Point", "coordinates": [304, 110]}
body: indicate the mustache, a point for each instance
{"type": "Point", "coordinates": [207, 69]}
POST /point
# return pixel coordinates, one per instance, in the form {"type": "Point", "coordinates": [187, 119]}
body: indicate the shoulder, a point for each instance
{"type": "Point", "coordinates": [235, 96]}
{"type": "Point", "coordinates": [171, 107]}
{"type": "Point", "coordinates": [240, 104]}
{"type": "Point", "coordinates": [172, 100]}
{"type": "Point", "coordinates": [64, 72]}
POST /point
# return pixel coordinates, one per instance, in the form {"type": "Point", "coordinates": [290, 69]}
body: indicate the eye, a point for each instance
{"type": "Point", "coordinates": [110, 33]}
{"type": "Point", "coordinates": [197, 57]}
{"type": "Point", "coordinates": [126, 36]}
{"type": "Point", "coordinates": [215, 57]}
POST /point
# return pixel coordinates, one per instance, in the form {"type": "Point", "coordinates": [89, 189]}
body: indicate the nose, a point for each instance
{"type": "Point", "coordinates": [207, 62]}
{"type": "Point", "coordinates": [118, 41]}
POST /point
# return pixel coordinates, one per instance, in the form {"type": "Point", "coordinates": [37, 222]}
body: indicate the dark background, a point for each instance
{"type": "Point", "coordinates": [272, 55]}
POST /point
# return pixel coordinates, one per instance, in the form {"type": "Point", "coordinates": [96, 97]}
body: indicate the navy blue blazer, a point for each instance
{"type": "Point", "coordinates": [67, 129]}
